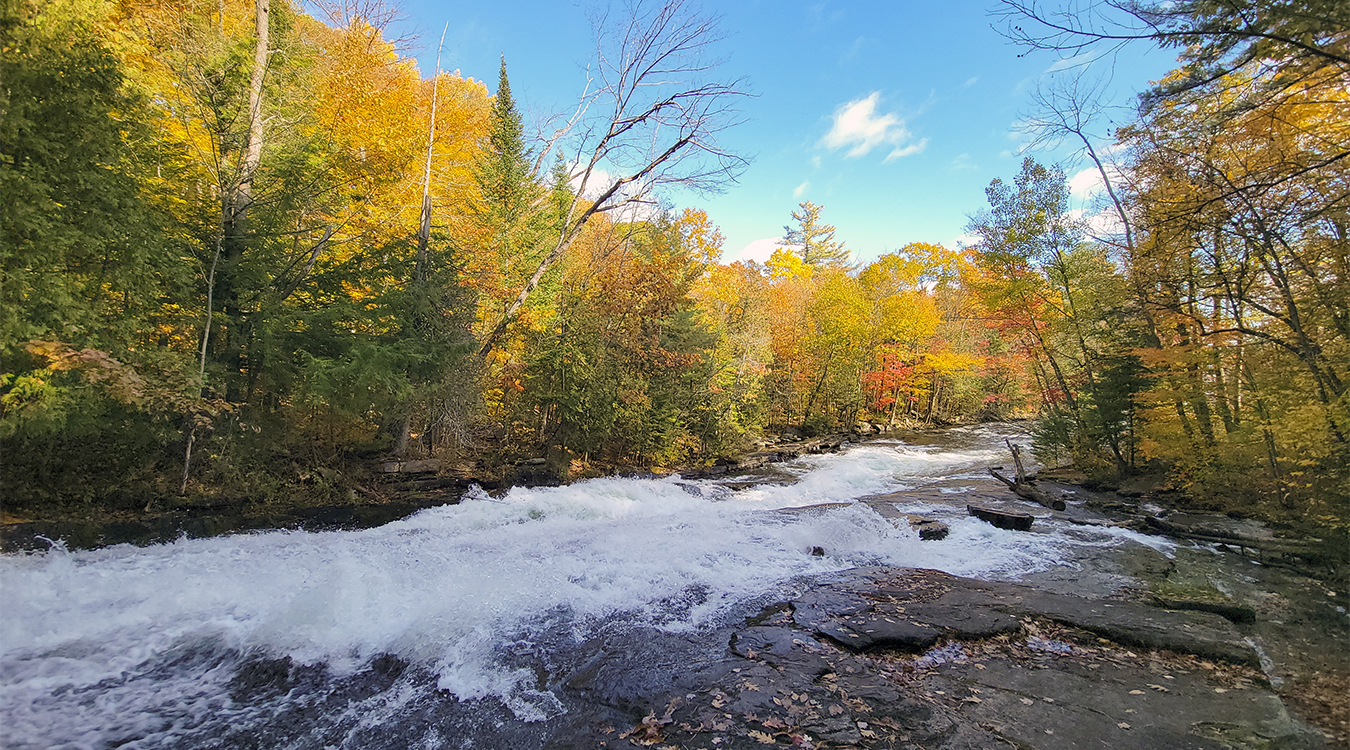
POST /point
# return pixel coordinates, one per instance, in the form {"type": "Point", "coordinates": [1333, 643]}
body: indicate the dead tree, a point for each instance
{"type": "Point", "coordinates": [1024, 487]}
{"type": "Point", "coordinates": [653, 120]}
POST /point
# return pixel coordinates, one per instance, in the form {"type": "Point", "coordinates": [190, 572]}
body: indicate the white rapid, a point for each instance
{"type": "Point", "coordinates": [446, 587]}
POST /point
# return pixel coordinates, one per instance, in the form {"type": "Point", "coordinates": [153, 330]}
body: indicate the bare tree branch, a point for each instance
{"type": "Point", "coordinates": [652, 122]}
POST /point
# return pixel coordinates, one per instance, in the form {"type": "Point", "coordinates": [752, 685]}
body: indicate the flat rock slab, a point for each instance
{"type": "Point", "coordinates": [1080, 704]}
{"type": "Point", "coordinates": [901, 658]}
{"type": "Point", "coordinates": [963, 608]}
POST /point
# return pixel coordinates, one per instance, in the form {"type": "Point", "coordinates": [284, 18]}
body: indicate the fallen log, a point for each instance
{"type": "Point", "coordinates": [420, 466]}
{"type": "Point", "coordinates": [1029, 491]}
{"type": "Point", "coordinates": [1216, 536]}
{"type": "Point", "coordinates": [1002, 518]}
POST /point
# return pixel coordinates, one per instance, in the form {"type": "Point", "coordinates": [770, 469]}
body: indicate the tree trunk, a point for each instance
{"type": "Point", "coordinates": [236, 200]}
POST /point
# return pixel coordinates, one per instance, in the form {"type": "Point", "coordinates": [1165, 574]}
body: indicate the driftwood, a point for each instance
{"type": "Point", "coordinates": [1315, 559]}
{"type": "Point", "coordinates": [420, 466]}
{"type": "Point", "coordinates": [1017, 461]}
{"type": "Point", "coordinates": [1029, 491]}
{"type": "Point", "coordinates": [1002, 518]}
{"type": "Point", "coordinates": [1024, 487]}
{"type": "Point", "coordinates": [1216, 536]}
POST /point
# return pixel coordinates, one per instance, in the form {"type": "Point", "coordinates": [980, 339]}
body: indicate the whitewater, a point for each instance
{"type": "Point", "coordinates": [137, 647]}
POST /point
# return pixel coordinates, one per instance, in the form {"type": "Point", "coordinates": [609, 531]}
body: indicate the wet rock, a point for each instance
{"type": "Point", "coordinates": [822, 605]}
{"type": "Point", "coordinates": [965, 614]}
{"type": "Point", "coordinates": [872, 633]}
{"type": "Point", "coordinates": [1132, 624]}
{"type": "Point", "coordinates": [1239, 613]}
{"type": "Point", "coordinates": [1002, 518]}
{"type": "Point", "coordinates": [786, 648]}
{"type": "Point", "coordinates": [930, 530]}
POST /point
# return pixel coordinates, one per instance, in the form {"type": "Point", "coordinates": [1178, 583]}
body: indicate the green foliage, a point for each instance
{"type": "Point", "coordinates": [504, 173]}
{"type": "Point", "coordinates": [82, 251]}
{"type": "Point", "coordinates": [620, 374]}
{"type": "Point", "coordinates": [1069, 305]}
{"type": "Point", "coordinates": [85, 262]}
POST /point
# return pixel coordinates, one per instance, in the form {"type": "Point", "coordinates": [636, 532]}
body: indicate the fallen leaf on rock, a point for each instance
{"type": "Point", "coordinates": [1123, 725]}
{"type": "Point", "coordinates": [1028, 701]}
{"type": "Point", "coordinates": [763, 738]}
{"type": "Point", "coordinates": [1136, 692]}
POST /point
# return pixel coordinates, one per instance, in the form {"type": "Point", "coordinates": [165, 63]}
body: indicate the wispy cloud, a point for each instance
{"type": "Point", "coordinates": [861, 129]}
{"type": "Point", "coordinates": [963, 163]}
{"type": "Point", "coordinates": [970, 82]}
{"type": "Point", "coordinates": [1082, 59]}
{"type": "Point", "coordinates": [910, 150]}
{"type": "Point", "coordinates": [797, 191]}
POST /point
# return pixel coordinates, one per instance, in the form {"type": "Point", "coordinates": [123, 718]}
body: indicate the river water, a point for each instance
{"type": "Point", "coordinates": [239, 641]}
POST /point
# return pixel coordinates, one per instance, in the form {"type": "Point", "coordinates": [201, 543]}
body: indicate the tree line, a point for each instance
{"type": "Point", "coordinates": [241, 242]}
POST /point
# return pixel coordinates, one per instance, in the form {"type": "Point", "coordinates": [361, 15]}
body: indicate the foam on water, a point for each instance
{"type": "Point", "coordinates": [446, 587]}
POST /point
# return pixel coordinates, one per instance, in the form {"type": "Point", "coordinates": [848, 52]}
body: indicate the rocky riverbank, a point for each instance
{"type": "Point", "coordinates": [874, 657]}
{"type": "Point", "coordinates": [384, 492]}
{"type": "Point", "coordinates": [883, 657]}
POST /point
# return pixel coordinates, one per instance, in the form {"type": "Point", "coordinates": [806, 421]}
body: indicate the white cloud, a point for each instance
{"type": "Point", "coordinates": [1085, 183]}
{"type": "Point", "coordinates": [632, 202]}
{"type": "Point", "coordinates": [815, 162]}
{"type": "Point", "coordinates": [910, 150]}
{"type": "Point", "coordinates": [759, 250]}
{"type": "Point", "coordinates": [797, 191]}
{"type": "Point", "coordinates": [859, 128]}
{"type": "Point", "coordinates": [598, 182]}
{"type": "Point", "coordinates": [1103, 224]}
{"type": "Point", "coordinates": [970, 82]}
{"type": "Point", "coordinates": [1088, 183]}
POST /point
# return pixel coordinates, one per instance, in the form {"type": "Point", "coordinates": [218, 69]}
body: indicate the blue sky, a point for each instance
{"type": "Point", "coordinates": [894, 116]}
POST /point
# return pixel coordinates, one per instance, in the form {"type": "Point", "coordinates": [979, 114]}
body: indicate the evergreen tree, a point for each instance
{"type": "Point", "coordinates": [505, 175]}
{"type": "Point", "coordinates": [813, 241]}
{"type": "Point", "coordinates": [510, 220]}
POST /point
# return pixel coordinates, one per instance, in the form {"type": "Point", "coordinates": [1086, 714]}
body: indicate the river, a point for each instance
{"type": "Point", "coordinates": [445, 627]}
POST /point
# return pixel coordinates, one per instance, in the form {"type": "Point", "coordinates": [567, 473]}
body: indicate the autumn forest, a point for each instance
{"type": "Point", "coordinates": [245, 240]}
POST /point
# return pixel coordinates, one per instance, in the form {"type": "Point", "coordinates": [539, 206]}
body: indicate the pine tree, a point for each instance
{"type": "Point", "coordinates": [504, 175]}
{"type": "Point", "coordinates": [812, 240]}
